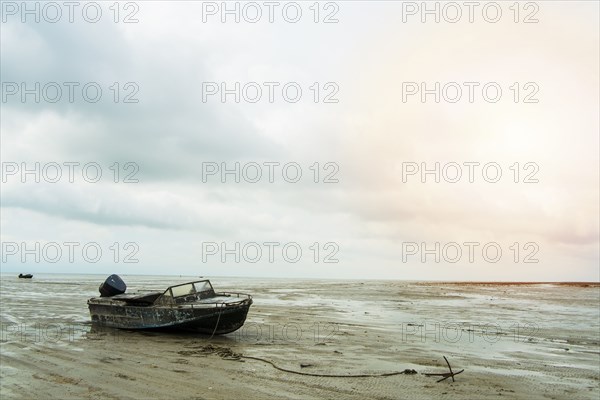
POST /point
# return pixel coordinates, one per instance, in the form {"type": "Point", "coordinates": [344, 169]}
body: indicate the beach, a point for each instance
{"type": "Point", "coordinates": [518, 341]}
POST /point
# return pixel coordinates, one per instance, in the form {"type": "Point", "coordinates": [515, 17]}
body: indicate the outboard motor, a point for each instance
{"type": "Point", "coordinates": [112, 286]}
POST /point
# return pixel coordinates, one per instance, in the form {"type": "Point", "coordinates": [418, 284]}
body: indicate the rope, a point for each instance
{"type": "Point", "coordinates": [218, 319]}
{"type": "Point", "coordinates": [405, 372]}
{"type": "Point", "coordinates": [226, 354]}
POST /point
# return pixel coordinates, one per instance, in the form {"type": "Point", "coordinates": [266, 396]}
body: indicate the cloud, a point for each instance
{"type": "Point", "coordinates": [170, 132]}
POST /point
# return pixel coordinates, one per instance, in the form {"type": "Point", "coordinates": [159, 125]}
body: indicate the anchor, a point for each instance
{"type": "Point", "coordinates": [446, 375]}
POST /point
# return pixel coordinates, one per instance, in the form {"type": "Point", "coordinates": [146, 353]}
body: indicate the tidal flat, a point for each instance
{"type": "Point", "coordinates": [520, 341]}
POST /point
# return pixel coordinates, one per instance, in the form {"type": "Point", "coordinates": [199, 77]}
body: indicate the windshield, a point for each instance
{"type": "Point", "coordinates": [203, 286]}
{"type": "Point", "coordinates": [191, 288]}
{"type": "Point", "coordinates": [183, 290]}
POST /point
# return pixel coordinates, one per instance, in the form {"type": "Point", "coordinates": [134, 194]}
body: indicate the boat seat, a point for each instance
{"type": "Point", "coordinates": [186, 299]}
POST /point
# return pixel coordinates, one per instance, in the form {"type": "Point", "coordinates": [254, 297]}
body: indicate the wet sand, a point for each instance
{"type": "Point", "coordinates": [521, 341]}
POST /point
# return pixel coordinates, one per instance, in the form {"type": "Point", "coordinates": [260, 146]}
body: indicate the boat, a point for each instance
{"type": "Point", "coordinates": [192, 306]}
{"type": "Point", "coordinates": [25, 276]}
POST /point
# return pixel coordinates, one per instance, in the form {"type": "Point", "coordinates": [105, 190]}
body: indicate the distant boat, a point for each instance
{"type": "Point", "coordinates": [25, 276]}
{"type": "Point", "coordinates": [192, 306]}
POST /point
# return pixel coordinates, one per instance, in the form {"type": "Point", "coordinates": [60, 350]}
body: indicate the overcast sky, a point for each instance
{"type": "Point", "coordinates": [367, 131]}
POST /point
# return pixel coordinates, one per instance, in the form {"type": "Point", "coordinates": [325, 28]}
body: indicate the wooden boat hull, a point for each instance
{"type": "Point", "coordinates": [218, 319]}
